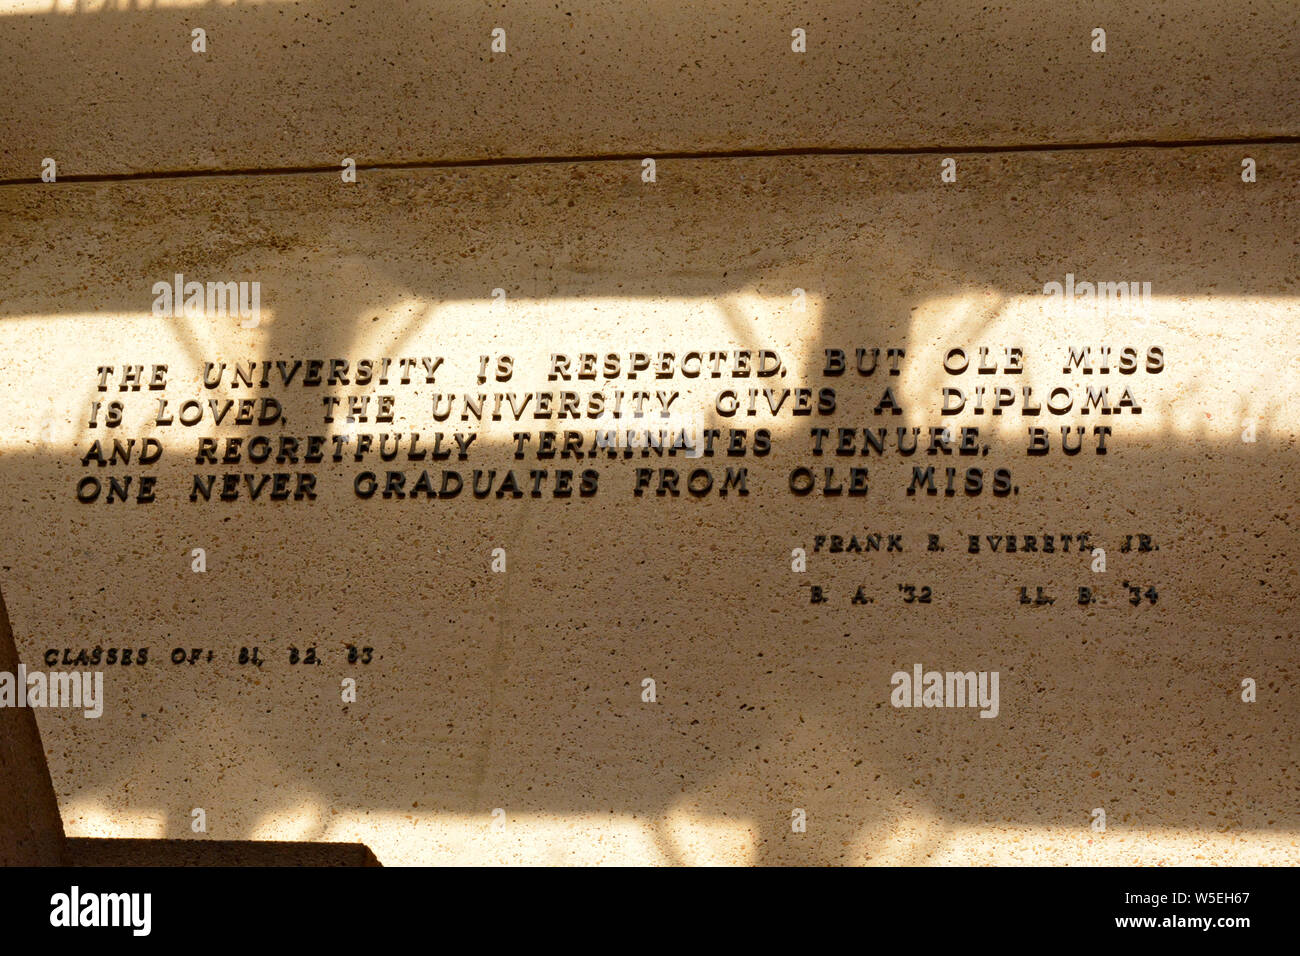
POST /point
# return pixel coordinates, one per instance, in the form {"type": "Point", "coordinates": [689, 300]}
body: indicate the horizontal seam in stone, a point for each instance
{"type": "Point", "coordinates": [829, 151]}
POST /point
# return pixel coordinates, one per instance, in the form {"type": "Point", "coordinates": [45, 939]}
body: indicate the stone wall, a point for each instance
{"type": "Point", "coordinates": [504, 714]}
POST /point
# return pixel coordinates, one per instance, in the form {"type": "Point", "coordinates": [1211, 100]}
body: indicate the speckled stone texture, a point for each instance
{"type": "Point", "coordinates": [522, 691]}
{"type": "Point", "coordinates": [106, 90]}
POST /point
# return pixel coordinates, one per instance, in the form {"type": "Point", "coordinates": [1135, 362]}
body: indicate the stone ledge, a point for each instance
{"type": "Point", "coordinates": [286, 85]}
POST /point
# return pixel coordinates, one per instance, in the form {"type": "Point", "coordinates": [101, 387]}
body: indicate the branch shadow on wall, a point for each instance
{"type": "Point", "coordinates": [523, 691]}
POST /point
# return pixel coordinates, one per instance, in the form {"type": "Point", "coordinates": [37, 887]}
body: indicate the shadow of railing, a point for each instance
{"type": "Point", "coordinates": [522, 691]}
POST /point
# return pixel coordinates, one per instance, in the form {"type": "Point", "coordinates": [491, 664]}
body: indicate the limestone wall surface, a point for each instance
{"type": "Point", "coordinates": [112, 88]}
{"type": "Point", "coordinates": [503, 715]}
